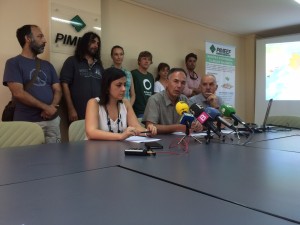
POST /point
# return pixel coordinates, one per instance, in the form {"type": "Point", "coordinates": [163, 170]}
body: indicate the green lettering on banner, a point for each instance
{"type": "Point", "coordinates": [220, 60]}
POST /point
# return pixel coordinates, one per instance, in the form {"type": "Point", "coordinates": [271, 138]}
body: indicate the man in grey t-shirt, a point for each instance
{"type": "Point", "coordinates": [160, 109]}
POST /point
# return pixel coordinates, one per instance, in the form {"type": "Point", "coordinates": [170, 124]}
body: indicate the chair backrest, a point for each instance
{"type": "Point", "coordinates": [284, 121]}
{"type": "Point", "coordinates": [20, 133]}
{"type": "Point", "coordinates": [140, 121]}
{"type": "Point", "coordinates": [77, 130]}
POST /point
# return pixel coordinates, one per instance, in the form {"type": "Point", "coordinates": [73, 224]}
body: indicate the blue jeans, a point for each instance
{"type": "Point", "coordinates": [51, 130]}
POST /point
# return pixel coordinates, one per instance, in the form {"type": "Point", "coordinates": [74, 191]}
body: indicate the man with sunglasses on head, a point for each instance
{"type": "Point", "coordinates": [192, 86]}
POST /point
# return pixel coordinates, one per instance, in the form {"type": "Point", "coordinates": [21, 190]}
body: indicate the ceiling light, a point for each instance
{"type": "Point", "coordinates": [298, 1]}
{"type": "Point", "coordinates": [97, 28]}
{"type": "Point", "coordinates": [65, 21]}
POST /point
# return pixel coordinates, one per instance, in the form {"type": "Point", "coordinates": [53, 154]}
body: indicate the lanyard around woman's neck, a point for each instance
{"type": "Point", "coordinates": [118, 121]}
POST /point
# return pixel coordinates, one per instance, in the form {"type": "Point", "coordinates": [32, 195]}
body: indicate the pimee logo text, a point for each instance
{"type": "Point", "coordinates": [223, 51]}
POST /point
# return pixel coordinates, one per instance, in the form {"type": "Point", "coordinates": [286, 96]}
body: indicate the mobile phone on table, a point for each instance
{"type": "Point", "coordinates": [139, 151]}
{"type": "Point", "coordinates": [153, 145]}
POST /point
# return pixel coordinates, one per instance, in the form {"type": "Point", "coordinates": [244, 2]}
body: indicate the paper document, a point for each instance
{"type": "Point", "coordinates": [139, 139]}
{"type": "Point", "coordinates": [192, 134]}
{"type": "Point", "coordinates": [204, 133]}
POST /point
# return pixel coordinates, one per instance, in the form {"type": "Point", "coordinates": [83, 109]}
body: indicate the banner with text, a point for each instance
{"type": "Point", "coordinates": [220, 61]}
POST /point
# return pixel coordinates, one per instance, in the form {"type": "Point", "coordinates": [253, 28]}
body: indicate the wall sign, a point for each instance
{"type": "Point", "coordinates": [68, 25]}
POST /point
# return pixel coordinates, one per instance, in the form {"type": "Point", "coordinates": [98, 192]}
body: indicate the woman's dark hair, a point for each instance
{"type": "Point", "coordinates": [22, 32]}
{"type": "Point", "coordinates": [83, 46]}
{"type": "Point", "coordinates": [160, 67]}
{"type": "Point", "coordinates": [111, 74]}
{"type": "Point", "coordinates": [114, 47]}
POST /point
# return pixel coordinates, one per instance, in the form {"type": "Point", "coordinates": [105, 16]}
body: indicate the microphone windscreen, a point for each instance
{"type": "Point", "coordinates": [182, 107]}
{"type": "Point", "coordinates": [227, 110]}
{"type": "Point", "coordinates": [212, 112]}
{"type": "Point", "coordinates": [196, 109]}
{"type": "Point", "coordinates": [186, 118]}
{"type": "Point", "coordinates": [203, 117]}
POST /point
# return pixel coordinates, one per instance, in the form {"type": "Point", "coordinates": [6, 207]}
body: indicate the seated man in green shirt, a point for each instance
{"type": "Point", "coordinates": [160, 109]}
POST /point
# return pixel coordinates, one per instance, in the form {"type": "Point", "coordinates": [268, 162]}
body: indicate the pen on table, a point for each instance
{"type": "Point", "coordinates": [145, 132]}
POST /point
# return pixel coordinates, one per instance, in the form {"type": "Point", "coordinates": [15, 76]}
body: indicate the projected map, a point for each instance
{"type": "Point", "coordinates": [283, 71]}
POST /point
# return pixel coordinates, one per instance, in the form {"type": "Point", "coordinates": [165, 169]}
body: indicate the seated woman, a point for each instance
{"type": "Point", "coordinates": [111, 117]}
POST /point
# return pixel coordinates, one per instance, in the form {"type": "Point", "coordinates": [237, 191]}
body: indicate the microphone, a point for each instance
{"type": "Point", "coordinates": [229, 111]}
{"type": "Point", "coordinates": [182, 108]}
{"type": "Point", "coordinates": [216, 115]}
{"type": "Point", "coordinates": [186, 118]}
{"type": "Point", "coordinates": [200, 114]}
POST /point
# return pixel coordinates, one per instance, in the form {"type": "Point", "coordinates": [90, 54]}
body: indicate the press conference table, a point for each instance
{"type": "Point", "coordinates": [93, 182]}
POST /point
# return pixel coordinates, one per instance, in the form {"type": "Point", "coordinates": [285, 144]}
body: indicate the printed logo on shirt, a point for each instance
{"type": "Point", "coordinates": [147, 84]}
{"type": "Point", "coordinates": [95, 73]}
{"type": "Point", "coordinates": [41, 79]}
{"type": "Point", "coordinates": [147, 93]}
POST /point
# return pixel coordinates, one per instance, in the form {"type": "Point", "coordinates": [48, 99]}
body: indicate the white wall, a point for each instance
{"type": "Point", "coordinates": [12, 16]}
{"type": "Point", "coordinates": [169, 39]}
{"type": "Point", "coordinates": [76, 7]}
{"type": "Point", "coordinates": [136, 28]}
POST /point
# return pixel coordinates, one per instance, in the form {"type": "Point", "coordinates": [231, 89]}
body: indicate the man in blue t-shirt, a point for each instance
{"type": "Point", "coordinates": [39, 102]}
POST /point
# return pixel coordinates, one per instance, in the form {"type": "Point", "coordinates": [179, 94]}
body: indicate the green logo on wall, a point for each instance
{"type": "Point", "coordinates": [212, 48]}
{"type": "Point", "coordinates": [77, 23]}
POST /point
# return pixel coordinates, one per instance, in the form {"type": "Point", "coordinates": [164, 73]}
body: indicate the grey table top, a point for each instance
{"type": "Point", "coordinates": [117, 196]}
{"type": "Point", "coordinates": [263, 180]}
{"type": "Point", "coordinates": [290, 143]}
{"type": "Point", "coordinates": [266, 180]}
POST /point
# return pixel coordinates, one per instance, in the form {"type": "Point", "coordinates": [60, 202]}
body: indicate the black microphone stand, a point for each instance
{"type": "Point", "coordinates": [187, 133]}
{"type": "Point", "coordinates": [208, 137]}
{"type": "Point", "coordinates": [219, 125]}
{"type": "Point", "coordinates": [235, 122]}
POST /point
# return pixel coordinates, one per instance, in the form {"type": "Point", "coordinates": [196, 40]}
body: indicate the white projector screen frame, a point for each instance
{"type": "Point", "coordinates": [279, 107]}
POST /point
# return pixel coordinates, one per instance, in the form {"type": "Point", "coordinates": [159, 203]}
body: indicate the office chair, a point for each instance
{"type": "Point", "coordinates": [140, 121]}
{"type": "Point", "coordinates": [77, 130]}
{"type": "Point", "coordinates": [284, 121]}
{"type": "Point", "coordinates": [20, 133]}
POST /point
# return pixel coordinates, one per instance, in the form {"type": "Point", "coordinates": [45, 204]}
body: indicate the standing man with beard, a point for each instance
{"type": "Point", "coordinates": [81, 76]}
{"type": "Point", "coordinates": [38, 100]}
